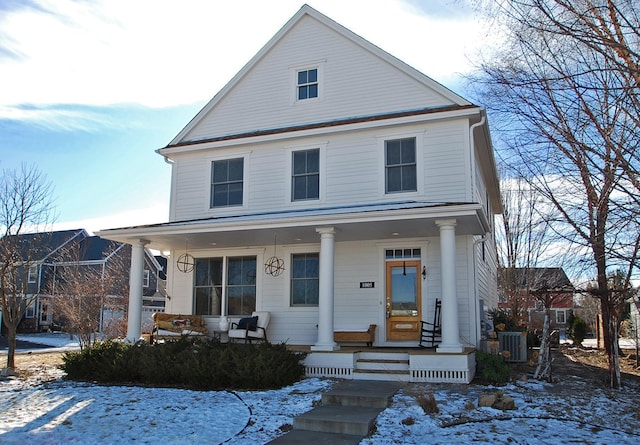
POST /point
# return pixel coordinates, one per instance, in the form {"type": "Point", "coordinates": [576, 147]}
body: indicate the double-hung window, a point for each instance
{"type": "Point", "coordinates": [32, 275]}
{"type": "Point", "coordinates": [400, 165]}
{"type": "Point", "coordinates": [227, 182]}
{"type": "Point", "coordinates": [305, 180]}
{"type": "Point", "coordinates": [146, 278]}
{"type": "Point", "coordinates": [307, 84]}
{"type": "Point", "coordinates": [237, 290]}
{"type": "Point", "coordinates": [305, 279]}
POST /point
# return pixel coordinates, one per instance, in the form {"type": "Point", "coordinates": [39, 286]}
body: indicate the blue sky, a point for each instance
{"type": "Point", "coordinates": [89, 89]}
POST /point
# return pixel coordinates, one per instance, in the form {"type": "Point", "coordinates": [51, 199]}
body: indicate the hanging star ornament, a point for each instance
{"type": "Point", "coordinates": [185, 263]}
{"type": "Point", "coordinates": [274, 266]}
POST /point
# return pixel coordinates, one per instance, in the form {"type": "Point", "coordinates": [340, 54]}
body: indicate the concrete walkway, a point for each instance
{"type": "Point", "coordinates": [347, 414]}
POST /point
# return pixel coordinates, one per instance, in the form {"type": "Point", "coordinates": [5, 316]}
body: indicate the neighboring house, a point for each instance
{"type": "Point", "coordinates": [50, 252]}
{"type": "Point", "coordinates": [535, 284]}
{"type": "Point", "coordinates": [334, 186]}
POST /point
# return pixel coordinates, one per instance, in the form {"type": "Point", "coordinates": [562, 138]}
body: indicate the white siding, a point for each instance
{"type": "Point", "coordinates": [354, 308]}
{"type": "Point", "coordinates": [355, 83]}
{"type": "Point", "coordinates": [353, 172]}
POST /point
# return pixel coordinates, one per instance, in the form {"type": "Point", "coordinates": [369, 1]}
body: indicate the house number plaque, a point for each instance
{"type": "Point", "coordinates": [367, 284]}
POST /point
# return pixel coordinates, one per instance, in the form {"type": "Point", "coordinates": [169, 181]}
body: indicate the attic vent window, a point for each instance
{"type": "Point", "coordinates": [308, 84]}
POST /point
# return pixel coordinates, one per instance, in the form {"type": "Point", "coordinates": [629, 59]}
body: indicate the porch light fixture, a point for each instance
{"type": "Point", "coordinates": [185, 262]}
{"type": "Point", "coordinates": [274, 265]}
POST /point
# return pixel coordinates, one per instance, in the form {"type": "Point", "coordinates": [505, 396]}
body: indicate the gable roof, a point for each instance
{"type": "Point", "coordinates": [308, 12]}
{"type": "Point", "coordinates": [96, 249]}
{"type": "Point", "coordinates": [40, 246]}
{"type": "Point", "coordinates": [538, 278]}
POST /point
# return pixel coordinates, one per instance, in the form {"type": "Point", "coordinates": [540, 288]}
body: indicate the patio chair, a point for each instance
{"type": "Point", "coordinates": [251, 328]}
{"type": "Point", "coordinates": [431, 332]}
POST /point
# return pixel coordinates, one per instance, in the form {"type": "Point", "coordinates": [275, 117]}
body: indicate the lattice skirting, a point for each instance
{"type": "Point", "coordinates": [328, 371]}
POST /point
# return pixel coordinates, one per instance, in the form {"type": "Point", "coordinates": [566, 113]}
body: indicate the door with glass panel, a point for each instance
{"type": "Point", "coordinates": [403, 301]}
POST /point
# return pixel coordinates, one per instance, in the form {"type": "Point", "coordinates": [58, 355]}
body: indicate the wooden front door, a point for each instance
{"type": "Point", "coordinates": [403, 290]}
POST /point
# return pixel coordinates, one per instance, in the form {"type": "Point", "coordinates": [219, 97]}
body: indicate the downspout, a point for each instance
{"type": "Point", "coordinates": [172, 188]}
{"type": "Point", "coordinates": [472, 149]}
{"type": "Point", "coordinates": [476, 305]}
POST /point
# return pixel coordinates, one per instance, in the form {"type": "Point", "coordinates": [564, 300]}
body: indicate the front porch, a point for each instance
{"type": "Point", "coordinates": [392, 364]}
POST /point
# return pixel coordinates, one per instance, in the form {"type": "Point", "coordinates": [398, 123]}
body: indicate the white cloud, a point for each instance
{"type": "Point", "coordinates": [161, 53]}
{"type": "Point", "coordinates": [149, 215]}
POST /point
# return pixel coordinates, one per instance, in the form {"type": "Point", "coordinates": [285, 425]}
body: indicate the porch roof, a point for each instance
{"type": "Point", "coordinates": [406, 219]}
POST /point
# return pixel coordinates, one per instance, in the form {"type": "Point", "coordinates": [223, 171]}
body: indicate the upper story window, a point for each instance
{"type": "Point", "coordinates": [305, 176]}
{"type": "Point", "coordinates": [227, 182]}
{"type": "Point", "coordinates": [32, 277]}
{"type": "Point", "coordinates": [307, 84]}
{"type": "Point", "coordinates": [400, 165]}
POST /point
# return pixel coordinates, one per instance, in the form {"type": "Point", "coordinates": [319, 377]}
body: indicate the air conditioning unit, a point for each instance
{"type": "Point", "coordinates": [515, 343]}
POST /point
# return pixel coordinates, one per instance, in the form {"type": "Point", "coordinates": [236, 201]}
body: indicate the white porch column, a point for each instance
{"type": "Point", "coordinates": [136, 276]}
{"type": "Point", "coordinates": [325, 298]}
{"type": "Point", "coordinates": [450, 331]}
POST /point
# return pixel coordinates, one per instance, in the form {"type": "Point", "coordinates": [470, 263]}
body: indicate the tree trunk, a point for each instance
{"type": "Point", "coordinates": [11, 354]}
{"type": "Point", "coordinates": [544, 358]}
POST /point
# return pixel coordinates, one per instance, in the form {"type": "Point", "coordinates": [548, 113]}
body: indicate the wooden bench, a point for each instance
{"type": "Point", "coordinates": [367, 336]}
{"type": "Point", "coordinates": [167, 326]}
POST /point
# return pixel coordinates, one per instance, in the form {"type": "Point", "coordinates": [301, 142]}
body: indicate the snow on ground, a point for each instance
{"type": "Point", "coordinates": [64, 412]}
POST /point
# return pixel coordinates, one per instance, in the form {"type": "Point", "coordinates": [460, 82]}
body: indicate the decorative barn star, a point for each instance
{"type": "Point", "coordinates": [274, 266]}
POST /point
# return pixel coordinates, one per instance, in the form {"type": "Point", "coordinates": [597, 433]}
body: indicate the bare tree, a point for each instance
{"type": "Point", "coordinates": [547, 296]}
{"type": "Point", "coordinates": [25, 206]}
{"type": "Point", "coordinates": [523, 238]}
{"type": "Point", "coordinates": [83, 290]}
{"type": "Point", "coordinates": [564, 89]}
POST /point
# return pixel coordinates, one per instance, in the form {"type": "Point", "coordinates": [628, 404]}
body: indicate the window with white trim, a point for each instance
{"type": "Point", "coordinates": [146, 278]}
{"type": "Point", "coordinates": [561, 316]}
{"type": "Point", "coordinates": [227, 181]}
{"type": "Point", "coordinates": [30, 312]}
{"type": "Point", "coordinates": [305, 175]}
{"type": "Point", "coordinates": [238, 288]}
{"type": "Point", "coordinates": [307, 84]}
{"type": "Point", "coordinates": [305, 279]}
{"type": "Point", "coordinates": [32, 276]}
{"type": "Point", "coordinates": [400, 165]}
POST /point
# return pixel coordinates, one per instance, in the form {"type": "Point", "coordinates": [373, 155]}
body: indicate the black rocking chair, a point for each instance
{"type": "Point", "coordinates": [431, 333]}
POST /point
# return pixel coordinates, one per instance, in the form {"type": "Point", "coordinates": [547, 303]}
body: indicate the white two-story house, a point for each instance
{"type": "Point", "coordinates": [335, 187]}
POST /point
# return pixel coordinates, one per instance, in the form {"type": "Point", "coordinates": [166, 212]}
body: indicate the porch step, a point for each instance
{"type": "Point", "coordinates": [386, 366]}
{"type": "Point", "coordinates": [386, 376]}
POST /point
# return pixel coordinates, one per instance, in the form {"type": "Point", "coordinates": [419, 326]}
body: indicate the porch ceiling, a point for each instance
{"type": "Point", "coordinates": [406, 220]}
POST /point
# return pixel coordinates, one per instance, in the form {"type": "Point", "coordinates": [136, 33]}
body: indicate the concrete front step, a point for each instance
{"type": "Point", "coordinates": [297, 437]}
{"type": "Point", "coordinates": [348, 413]}
{"type": "Point", "coordinates": [366, 393]}
{"type": "Point", "coordinates": [355, 420]}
